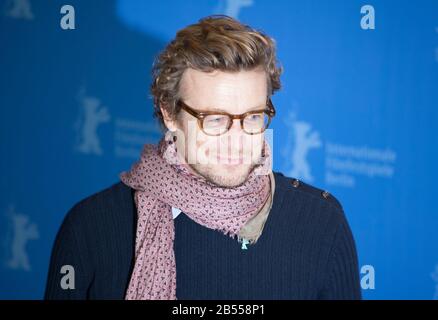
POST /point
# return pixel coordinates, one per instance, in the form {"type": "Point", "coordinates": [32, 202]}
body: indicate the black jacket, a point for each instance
{"type": "Point", "coordinates": [306, 250]}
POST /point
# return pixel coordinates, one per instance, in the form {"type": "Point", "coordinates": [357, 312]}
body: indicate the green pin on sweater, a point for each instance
{"type": "Point", "coordinates": [244, 243]}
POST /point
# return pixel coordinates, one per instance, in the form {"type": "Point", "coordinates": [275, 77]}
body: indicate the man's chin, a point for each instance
{"type": "Point", "coordinates": [223, 175]}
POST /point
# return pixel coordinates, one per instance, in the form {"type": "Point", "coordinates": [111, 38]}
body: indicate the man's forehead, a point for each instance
{"type": "Point", "coordinates": [224, 91]}
{"type": "Point", "coordinates": [197, 77]}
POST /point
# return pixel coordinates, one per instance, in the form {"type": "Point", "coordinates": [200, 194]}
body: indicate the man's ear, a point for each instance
{"type": "Point", "coordinates": [168, 121]}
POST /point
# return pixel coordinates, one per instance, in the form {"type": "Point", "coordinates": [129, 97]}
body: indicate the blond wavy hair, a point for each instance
{"type": "Point", "coordinates": [216, 42]}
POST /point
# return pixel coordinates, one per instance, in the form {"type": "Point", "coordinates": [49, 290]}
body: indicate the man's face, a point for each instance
{"type": "Point", "coordinates": [225, 160]}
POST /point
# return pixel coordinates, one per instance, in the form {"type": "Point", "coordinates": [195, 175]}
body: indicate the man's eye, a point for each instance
{"type": "Point", "coordinates": [212, 120]}
{"type": "Point", "coordinates": [255, 117]}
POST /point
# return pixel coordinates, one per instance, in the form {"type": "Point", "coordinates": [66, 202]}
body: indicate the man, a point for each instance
{"type": "Point", "coordinates": [202, 215]}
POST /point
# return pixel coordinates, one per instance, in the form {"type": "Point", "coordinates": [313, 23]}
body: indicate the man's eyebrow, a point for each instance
{"type": "Point", "coordinates": [213, 109]}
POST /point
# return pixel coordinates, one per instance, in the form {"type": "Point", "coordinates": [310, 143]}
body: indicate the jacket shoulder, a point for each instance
{"type": "Point", "coordinates": [100, 204]}
{"type": "Point", "coordinates": [307, 190]}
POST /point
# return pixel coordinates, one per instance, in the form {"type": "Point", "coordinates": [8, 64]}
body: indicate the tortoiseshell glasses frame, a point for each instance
{"type": "Point", "coordinates": [227, 119]}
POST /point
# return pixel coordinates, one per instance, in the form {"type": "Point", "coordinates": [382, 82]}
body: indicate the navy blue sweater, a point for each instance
{"type": "Point", "coordinates": [306, 250]}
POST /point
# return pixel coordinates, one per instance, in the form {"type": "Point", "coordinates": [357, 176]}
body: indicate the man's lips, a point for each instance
{"type": "Point", "coordinates": [230, 160]}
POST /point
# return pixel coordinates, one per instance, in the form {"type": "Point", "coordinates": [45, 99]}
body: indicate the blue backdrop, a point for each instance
{"type": "Point", "coordinates": [356, 116]}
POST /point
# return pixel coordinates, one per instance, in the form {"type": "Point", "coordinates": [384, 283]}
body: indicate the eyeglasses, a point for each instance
{"type": "Point", "coordinates": [214, 123]}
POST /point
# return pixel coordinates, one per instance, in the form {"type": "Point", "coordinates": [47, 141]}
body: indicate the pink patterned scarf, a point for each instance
{"type": "Point", "coordinates": [161, 183]}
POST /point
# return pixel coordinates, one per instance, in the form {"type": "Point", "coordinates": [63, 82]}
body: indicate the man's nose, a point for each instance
{"type": "Point", "coordinates": [235, 126]}
{"type": "Point", "coordinates": [234, 137]}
